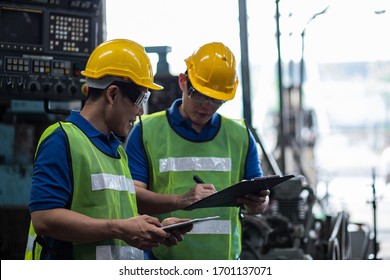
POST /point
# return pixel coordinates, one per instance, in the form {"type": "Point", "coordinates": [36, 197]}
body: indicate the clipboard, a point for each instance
{"type": "Point", "coordinates": [227, 197]}
{"type": "Point", "coordinates": [183, 224]}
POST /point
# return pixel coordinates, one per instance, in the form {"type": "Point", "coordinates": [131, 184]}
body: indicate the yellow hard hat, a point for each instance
{"type": "Point", "coordinates": [119, 59]}
{"type": "Point", "coordinates": [212, 71]}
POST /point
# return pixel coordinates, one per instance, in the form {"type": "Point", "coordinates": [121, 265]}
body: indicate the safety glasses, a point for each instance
{"type": "Point", "coordinates": [142, 99]}
{"type": "Point", "coordinates": [200, 98]}
{"type": "Point", "coordinates": [137, 96]}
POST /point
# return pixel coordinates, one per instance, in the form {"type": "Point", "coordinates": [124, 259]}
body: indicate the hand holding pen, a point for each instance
{"type": "Point", "coordinates": [197, 179]}
{"type": "Point", "coordinates": [197, 192]}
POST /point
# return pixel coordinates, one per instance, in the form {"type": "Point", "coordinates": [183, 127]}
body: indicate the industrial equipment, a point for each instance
{"type": "Point", "coordinates": [44, 45]}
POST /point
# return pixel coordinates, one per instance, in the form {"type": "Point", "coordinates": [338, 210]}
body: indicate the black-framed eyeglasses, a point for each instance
{"type": "Point", "coordinates": [138, 96]}
{"type": "Point", "coordinates": [201, 98]}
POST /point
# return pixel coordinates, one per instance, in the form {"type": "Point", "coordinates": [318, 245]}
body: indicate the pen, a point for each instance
{"type": "Point", "coordinates": [198, 180]}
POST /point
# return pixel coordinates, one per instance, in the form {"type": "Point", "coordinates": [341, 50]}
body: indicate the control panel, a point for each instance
{"type": "Point", "coordinates": [44, 45]}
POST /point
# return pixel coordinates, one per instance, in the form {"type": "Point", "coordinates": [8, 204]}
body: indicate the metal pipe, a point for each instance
{"type": "Point", "coordinates": [245, 75]}
{"type": "Point", "coordinates": [281, 138]}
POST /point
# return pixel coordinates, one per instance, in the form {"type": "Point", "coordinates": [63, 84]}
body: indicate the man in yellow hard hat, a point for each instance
{"type": "Point", "coordinates": [166, 149]}
{"type": "Point", "coordinates": [82, 202]}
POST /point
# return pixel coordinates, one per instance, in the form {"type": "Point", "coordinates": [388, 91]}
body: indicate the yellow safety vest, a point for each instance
{"type": "Point", "coordinates": [173, 161]}
{"type": "Point", "coordinates": [103, 189]}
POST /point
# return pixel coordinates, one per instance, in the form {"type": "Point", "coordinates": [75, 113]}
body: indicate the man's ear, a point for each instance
{"type": "Point", "coordinates": [111, 93]}
{"type": "Point", "coordinates": [182, 81]}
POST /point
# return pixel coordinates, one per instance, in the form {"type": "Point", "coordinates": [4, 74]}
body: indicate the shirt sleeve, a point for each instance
{"type": "Point", "coordinates": [253, 163]}
{"type": "Point", "coordinates": [51, 185]}
{"type": "Point", "coordinates": [136, 156]}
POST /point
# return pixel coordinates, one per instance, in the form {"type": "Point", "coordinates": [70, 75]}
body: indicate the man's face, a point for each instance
{"type": "Point", "coordinates": [125, 111]}
{"type": "Point", "coordinates": [198, 107]}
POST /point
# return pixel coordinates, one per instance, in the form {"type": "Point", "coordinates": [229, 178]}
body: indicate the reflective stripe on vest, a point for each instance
{"type": "Point", "coordinates": [212, 227]}
{"type": "Point", "coordinates": [195, 163]}
{"type": "Point", "coordinates": [30, 243]}
{"type": "Point", "coordinates": [112, 182]}
{"type": "Point", "coordinates": [111, 252]}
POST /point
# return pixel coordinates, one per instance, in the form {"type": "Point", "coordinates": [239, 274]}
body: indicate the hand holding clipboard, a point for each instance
{"type": "Point", "coordinates": [227, 197]}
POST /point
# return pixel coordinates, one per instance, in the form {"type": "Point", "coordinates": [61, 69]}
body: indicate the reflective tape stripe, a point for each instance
{"type": "Point", "coordinates": [195, 163]}
{"type": "Point", "coordinates": [109, 252]}
{"type": "Point", "coordinates": [112, 182]}
{"type": "Point", "coordinates": [30, 243]}
{"type": "Point", "coordinates": [211, 227]}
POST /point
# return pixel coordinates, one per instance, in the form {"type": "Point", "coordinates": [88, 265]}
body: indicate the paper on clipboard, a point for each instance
{"type": "Point", "coordinates": [227, 197]}
{"type": "Point", "coordinates": [193, 221]}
